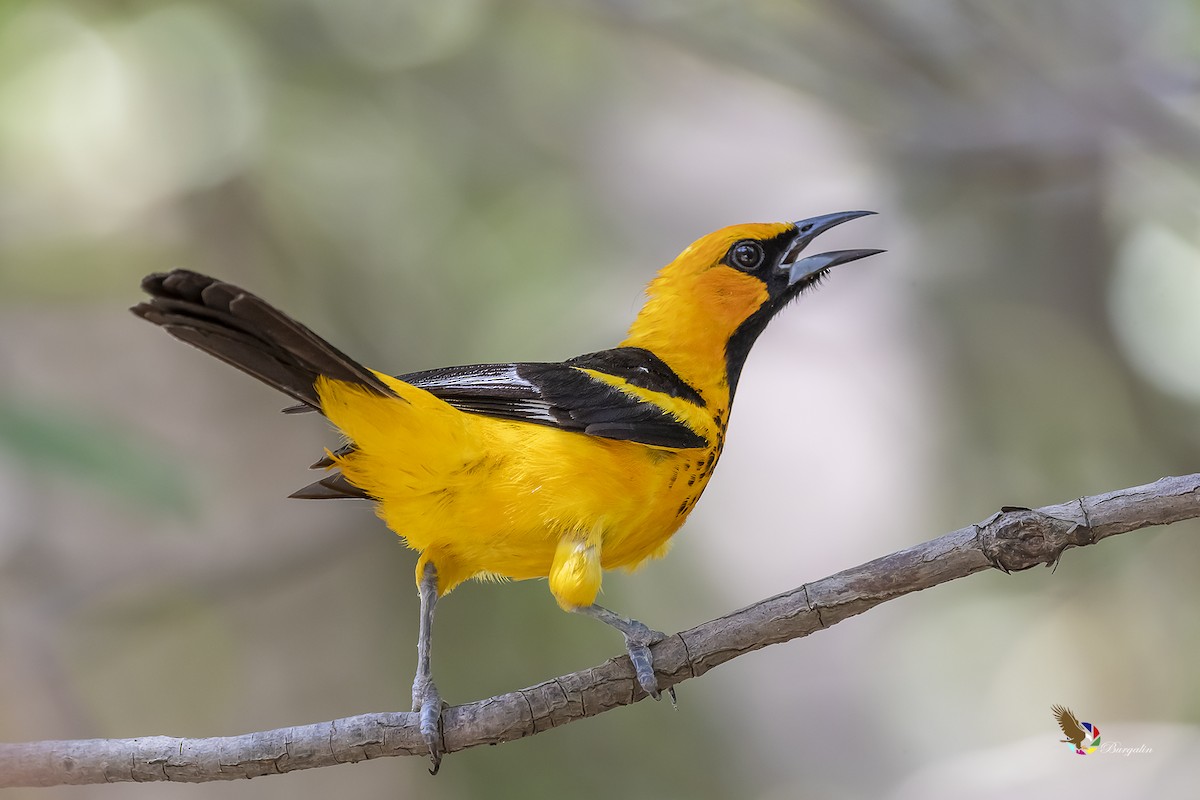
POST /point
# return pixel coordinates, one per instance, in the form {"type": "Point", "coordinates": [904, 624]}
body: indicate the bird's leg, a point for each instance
{"type": "Point", "coordinates": [426, 699]}
{"type": "Point", "coordinates": [638, 638]}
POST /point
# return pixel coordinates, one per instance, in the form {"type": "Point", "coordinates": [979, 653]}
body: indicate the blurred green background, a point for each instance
{"type": "Point", "coordinates": [466, 181]}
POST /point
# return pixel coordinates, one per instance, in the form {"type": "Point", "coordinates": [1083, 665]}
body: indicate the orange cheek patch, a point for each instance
{"type": "Point", "coordinates": [730, 296]}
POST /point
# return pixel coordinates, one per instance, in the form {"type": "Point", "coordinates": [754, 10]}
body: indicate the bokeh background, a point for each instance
{"type": "Point", "coordinates": [468, 181]}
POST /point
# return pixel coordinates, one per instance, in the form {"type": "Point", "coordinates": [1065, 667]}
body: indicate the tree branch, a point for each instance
{"type": "Point", "coordinates": [1013, 539]}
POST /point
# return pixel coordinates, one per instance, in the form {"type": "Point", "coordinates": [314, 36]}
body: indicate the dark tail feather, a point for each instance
{"type": "Point", "coordinates": [248, 333]}
{"type": "Point", "coordinates": [245, 331]}
{"type": "Point", "coordinates": [330, 487]}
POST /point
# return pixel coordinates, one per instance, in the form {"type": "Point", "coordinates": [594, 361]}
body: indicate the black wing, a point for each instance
{"type": "Point", "coordinates": [562, 395]}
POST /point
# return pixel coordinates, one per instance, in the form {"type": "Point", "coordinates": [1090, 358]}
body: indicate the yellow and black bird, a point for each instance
{"type": "Point", "coordinates": [529, 470]}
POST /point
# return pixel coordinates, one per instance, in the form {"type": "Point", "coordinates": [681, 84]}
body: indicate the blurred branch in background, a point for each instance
{"type": "Point", "coordinates": [1012, 539]}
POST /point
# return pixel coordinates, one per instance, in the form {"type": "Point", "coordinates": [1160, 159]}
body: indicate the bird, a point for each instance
{"type": "Point", "coordinates": [555, 470]}
{"type": "Point", "coordinates": [1070, 726]}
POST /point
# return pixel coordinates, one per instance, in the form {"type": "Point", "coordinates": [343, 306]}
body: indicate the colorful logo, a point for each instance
{"type": "Point", "coordinates": [1083, 737]}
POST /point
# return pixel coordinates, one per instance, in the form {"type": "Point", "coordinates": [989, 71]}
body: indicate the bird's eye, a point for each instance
{"type": "Point", "coordinates": [746, 255]}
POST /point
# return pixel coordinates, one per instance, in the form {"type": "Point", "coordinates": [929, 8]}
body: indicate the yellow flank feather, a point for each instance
{"type": "Point", "coordinates": [575, 573]}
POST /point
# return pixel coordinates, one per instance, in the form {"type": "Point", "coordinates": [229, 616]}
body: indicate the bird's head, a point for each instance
{"type": "Point", "coordinates": [719, 294]}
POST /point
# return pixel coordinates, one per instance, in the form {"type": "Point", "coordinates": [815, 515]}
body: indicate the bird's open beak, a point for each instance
{"type": "Point", "coordinates": [809, 229]}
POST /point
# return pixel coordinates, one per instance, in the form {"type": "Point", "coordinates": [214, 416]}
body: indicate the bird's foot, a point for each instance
{"type": "Point", "coordinates": [428, 703]}
{"type": "Point", "coordinates": [638, 638]}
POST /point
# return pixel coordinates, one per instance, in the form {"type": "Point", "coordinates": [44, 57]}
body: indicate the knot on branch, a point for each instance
{"type": "Point", "coordinates": [1014, 539]}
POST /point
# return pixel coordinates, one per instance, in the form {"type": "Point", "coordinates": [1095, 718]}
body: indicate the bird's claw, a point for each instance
{"type": "Point", "coordinates": [637, 644]}
{"type": "Point", "coordinates": [428, 703]}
